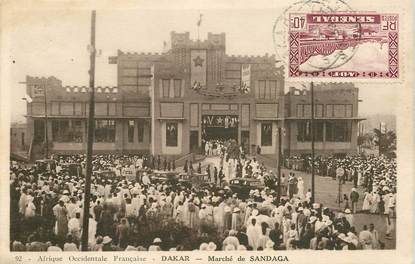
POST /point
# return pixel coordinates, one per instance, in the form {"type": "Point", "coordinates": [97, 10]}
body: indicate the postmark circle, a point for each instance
{"type": "Point", "coordinates": [281, 33]}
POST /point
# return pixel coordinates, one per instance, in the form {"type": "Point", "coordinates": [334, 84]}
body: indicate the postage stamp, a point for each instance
{"type": "Point", "coordinates": [343, 45]}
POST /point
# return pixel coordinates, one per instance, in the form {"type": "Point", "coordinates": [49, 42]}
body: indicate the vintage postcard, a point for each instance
{"type": "Point", "coordinates": [206, 131]}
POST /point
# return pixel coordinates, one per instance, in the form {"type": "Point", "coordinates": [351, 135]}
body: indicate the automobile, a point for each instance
{"type": "Point", "coordinates": [74, 169]}
{"type": "Point", "coordinates": [242, 186]}
{"type": "Point", "coordinates": [169, 177]}
{"type": "Point", "coordinates": [45, 164]}
{"type": "Point", "coordinates": [104, 174]}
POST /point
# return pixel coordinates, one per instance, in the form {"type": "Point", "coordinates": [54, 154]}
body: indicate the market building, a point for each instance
{"type": "Point", "coordinates": [171, 103]}
{"type": "Point", "coordinates": [335, 117]}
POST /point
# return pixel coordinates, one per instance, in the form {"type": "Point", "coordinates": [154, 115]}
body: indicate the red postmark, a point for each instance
{"type": "Point", "coordinates": [343, 45]}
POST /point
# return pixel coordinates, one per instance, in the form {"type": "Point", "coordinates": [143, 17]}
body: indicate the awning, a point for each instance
{"type": "Point", "coordinates": [268, 118]}
{"type": "Point", "coordinates": [325, 118]}
{"type": "Point", "coordinates": [171, 118]}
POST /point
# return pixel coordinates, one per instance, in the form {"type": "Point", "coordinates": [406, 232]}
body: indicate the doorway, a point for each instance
{"type": "Point", "coordinates": [39, 131]}
{"type": "Point", "coordinates": [220, 127]}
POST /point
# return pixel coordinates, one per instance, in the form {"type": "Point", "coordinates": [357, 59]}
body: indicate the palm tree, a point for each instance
{"type": "Point", "coordinates": [385, 141]}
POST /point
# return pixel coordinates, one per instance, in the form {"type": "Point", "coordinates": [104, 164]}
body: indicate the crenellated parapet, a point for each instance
{"type": "Point", "coordinates": [268, 59]}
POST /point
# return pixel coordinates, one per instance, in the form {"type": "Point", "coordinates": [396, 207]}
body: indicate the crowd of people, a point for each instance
{"type": "Point", "coordinates": [375, 174]}
{"type": "Point", "coordinates": [143, 214]}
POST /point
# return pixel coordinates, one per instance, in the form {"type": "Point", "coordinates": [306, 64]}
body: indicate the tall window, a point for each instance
{"type": "Point", "coordinates": [261, 89]}
{"type": "Point", "coordinates": [105, 131]}
{"type": "Point", "coordinates": [171, 134]}
{"type": "Point", "coordinates": [339, 110]}
{"type": "Point", "coordinates": [130, 131]}
{"type": "Point", "coordinates": [140, 130]}
{"type": "Point", "coordinates": [273, 88]}
{"type": "Point", "coordinates": [67, 130]}
{"type": "Point", "coordinates": [23, 143]}
{"type": "Point", "coordinates": [304, 131]}
{"type": "Point", "coordinates": [304, 110]}
{"type": "Point", "coordinates": [339, 131]}
{"type": "Point", "coordinates": [166, 88]}
{"type": "Point", "coordinates": [177, 88]}
{"type": "Point", "coordinates": [266, 134]}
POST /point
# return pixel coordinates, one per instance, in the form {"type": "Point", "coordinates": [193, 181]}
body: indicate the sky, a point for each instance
{"type": "Point", "coordinates": [53, 42]}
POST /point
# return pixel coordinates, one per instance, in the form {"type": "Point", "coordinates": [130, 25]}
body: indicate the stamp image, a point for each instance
{"type": "Point", "coordinates": [345, 45]}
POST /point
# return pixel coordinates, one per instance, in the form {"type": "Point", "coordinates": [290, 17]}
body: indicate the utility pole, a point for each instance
{"type": "Point", "coordinates": [46, 121]}
{"type": "Point", "coordinates": [279, 166]}
{"type": "Point", "coordinates": [91, 128]}
{"type": "Point", "coordinates": [312, 143]}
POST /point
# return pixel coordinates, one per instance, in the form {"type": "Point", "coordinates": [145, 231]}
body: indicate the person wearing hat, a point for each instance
{"type": "Point", "coordinates": [236, 219]}
{"type": "Point", "coordinates": [231, 240]}
{"type": "Point", "coordinates": [211, 246]}
{"type": "Point", "coordinates": [204, 247]}
{"type": "Point", "coordinates": [156, 246]}
{"type": "Point", "coordinates": [343, 241]}
{"type": "Point", "coordinates": [349, 216]}
{"type": "Point", "coordinates": [107, 244]}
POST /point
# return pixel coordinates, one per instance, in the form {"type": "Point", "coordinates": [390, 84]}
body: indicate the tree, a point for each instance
{"type": "Point", "coordinates": [386, 142]}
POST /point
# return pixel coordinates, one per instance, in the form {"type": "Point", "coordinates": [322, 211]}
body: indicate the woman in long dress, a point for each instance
{"type": "Point", "coordinates": [367, 201]}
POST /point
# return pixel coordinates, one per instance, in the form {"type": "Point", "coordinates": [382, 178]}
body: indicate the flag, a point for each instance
{"type": "Point", "coordinates": [199, 22]}
{"type": "Point", "coordinates": [28, 98]}
{"type": "Point", "coordinates": [245, 78]}
{"type": "Point", "coordinates": [38, 91]}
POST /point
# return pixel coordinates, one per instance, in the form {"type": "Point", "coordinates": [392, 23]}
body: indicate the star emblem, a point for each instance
{"type": "Point", "coordinates": [219, 120]}
{"type": "Point", "coordinates": [198, 61]}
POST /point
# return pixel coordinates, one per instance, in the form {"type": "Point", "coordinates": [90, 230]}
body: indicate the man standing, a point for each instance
{"type": "Point", "coordinates": [253, 232]}
{"type": "Point", "coordinates": [389, 213]}
{"type": "Point", "coordinates": [60, 212]}
{"type": "Point", "coordinates": [354, 197]}
{"type": "Point", "coordinates": [208, 173]}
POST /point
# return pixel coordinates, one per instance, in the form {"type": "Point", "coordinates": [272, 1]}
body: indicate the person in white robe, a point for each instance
{"type": "Point", "coordinates": [367, 202]}
{"type": "Point", "coordinates": [30, 208]}
{"type": "Point", "coordinates": [300, 188]}
{"type": "Point", "coordinates": [74, 227]}
{"type": "Point", "coordinates": [253, 232]}
{"type": "Point", "coordinates": [22, 202]}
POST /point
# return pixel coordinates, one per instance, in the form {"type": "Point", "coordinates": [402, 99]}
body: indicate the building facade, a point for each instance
{"type": "Point", "coordinates": [19, 140]}
{"type": "Point", "coordinates": [335, 117]}
{"type": "Point", "coordinates": [171, 103]}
